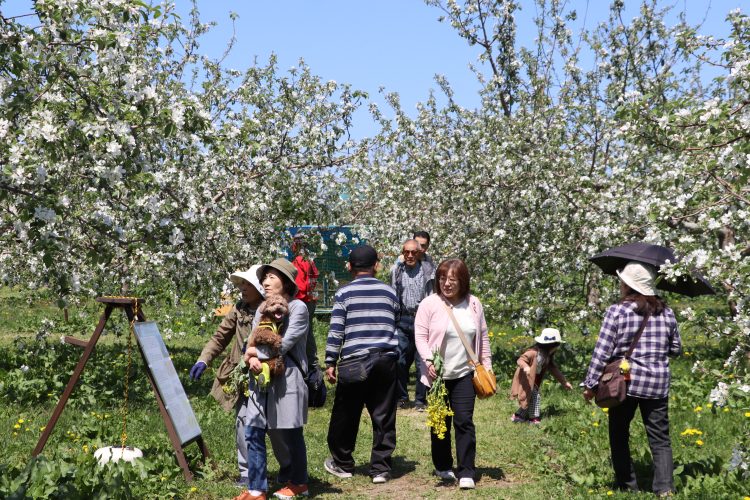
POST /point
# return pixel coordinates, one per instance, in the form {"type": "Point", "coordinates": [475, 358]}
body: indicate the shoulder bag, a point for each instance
{"type": "Point", "coordinates": [316, 387]}
{"type": "Point", "coordinates": [612, 388]}
{"type": "Point", "coordinates": [485, 383]}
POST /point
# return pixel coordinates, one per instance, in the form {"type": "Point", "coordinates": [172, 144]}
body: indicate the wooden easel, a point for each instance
{"type": "Point", "coordinates": [127, 304]}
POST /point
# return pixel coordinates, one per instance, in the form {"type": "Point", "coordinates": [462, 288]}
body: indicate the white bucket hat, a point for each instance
{"type": "Point", "coordinates": [549, 336]}
{"type": "Point", "coordinates": [251, 276]}
{"type": "Point", "coordinates": [640, 277]}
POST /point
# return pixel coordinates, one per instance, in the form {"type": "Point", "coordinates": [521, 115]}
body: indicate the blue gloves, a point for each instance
{"type": "Point", "coordinates": [197, 370]}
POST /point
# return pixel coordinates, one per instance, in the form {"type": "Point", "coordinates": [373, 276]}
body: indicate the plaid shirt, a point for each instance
{"type": "Point", "coordinates": [649, 366]}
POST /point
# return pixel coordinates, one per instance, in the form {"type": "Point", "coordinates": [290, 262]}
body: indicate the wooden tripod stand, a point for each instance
{"type": "Point", "coordinates": [129, 305]}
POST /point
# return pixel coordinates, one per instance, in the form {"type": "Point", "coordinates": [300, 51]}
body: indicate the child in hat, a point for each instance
{"type": "Point", "coordinates": [533, 365]}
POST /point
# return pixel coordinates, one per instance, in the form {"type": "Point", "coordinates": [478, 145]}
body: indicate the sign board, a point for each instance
{"type": "Point", "coordinates": [168, 383]}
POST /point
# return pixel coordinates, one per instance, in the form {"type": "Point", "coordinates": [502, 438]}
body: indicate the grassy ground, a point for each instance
{"type": "Point", "coordinates": [566, 456]}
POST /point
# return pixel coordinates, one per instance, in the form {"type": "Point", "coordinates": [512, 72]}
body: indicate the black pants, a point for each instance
{"type": "Point", "coordinates": [378, 395]}
{"type": "Point", "coordinates": [461, 397]}
{"type": "Point", "coordinates": [408, 355]}
{"type": "Point", "coordinates": [655, 415]}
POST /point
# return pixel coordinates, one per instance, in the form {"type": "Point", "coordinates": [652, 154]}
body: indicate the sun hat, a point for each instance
{"type": "Point", "coordinates": [640, 277]}
{"type": "Point", "coordinates": [363, 257]}
{"type": "Point", "coordinates": [283, 266]}
{"type": "Point", "coordinates": [549, 336]}
{"type": "Point", "coordinates": [251, 276]}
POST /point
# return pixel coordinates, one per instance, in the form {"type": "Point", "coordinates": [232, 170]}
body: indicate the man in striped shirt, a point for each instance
{"type": "Point", "coordinates": [362, 335]}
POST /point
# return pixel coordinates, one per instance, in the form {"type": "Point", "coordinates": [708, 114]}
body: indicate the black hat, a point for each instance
{"type": "Point", "coordinates": [363, 257]}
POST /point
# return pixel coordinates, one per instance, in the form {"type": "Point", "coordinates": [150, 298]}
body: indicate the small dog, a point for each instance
{"type": "Point", "coordinates": [266, 338]}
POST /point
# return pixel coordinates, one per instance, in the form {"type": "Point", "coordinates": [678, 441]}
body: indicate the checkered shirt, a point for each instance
{"type": "Point", "coordinates": [649, 363]}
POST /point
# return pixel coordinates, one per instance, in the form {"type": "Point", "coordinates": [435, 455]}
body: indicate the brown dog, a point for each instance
{"type": "Point", "coordinates": [266, 337]}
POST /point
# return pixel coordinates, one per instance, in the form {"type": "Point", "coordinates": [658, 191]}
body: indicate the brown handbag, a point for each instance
{"type": "Point", "coordinates": [612, 388]}
{"type": "Point", "coordinates": [485, 382]}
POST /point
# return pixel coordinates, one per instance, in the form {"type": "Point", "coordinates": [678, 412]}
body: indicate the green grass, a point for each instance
{"type": "Point", "coordinates": [566, 456]}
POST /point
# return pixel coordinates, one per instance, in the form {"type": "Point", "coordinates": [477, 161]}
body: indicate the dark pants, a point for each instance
{"type": "Point", "coordinates": [461, 397]}
{"type": "Point", "coordinates": [311, 347]}
{"type": "Point", "coordinates": [378, 394]}
{"type": "Point", "coordinates": [655, 415]}
{"type": "Point", "coordinates": [408, 354]}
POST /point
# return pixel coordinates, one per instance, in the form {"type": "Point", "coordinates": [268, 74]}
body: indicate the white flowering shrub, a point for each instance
{"type": "Point", "coordinates": [129, 163]}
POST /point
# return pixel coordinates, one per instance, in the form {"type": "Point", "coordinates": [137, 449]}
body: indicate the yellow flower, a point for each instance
{"type": "Point", "coordinates": [20, 420]}
{"type": "Point", "coordinates": [163, 478]}
{"type": "Point", "coordinates": [691, 432]}
{"type": "Point", "coordinates": [698, 409]}
{"type": "Point", "coordinates": [747, 413]}
{"type": "Point", "coordinates": [624, 366]}
{"type": "Point", "coordinates": [605, 410]}
{"type": "Point", "coordinates": [41, 429]}
{"type": "Point", "coordinates": [595, 424]}
{"type": "Point", "coordinates": [193, 489]}
{"type": "Point", "coordinates": [699, 442]}
{"type": "Point", "coordinates": [17, 426]}
{"type": "Point", "coordinates": [85, 448]}
{"type": "Point", "coordinates": [610, 493]}
{"type": "Point", "coordinates": [708, 405]}
{"type": "Point", "coordinates": [726, 410]}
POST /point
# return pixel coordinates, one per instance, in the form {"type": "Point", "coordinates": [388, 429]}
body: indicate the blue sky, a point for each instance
{"type": "Point", "coordinates": [396, 44]}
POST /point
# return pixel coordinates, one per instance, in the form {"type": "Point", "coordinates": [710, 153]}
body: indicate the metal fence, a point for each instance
{"type": "Point", "coordinates": [330, 247]}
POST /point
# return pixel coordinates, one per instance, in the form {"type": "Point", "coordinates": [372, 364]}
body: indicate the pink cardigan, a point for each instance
{"type": "Point", "coordinates": [430, 325]}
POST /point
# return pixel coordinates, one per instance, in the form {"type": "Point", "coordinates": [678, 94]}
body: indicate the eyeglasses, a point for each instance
{"type": "Point", "coordinates": [443, 280]}
{"type": "Point", "coordinates": [410, 252]}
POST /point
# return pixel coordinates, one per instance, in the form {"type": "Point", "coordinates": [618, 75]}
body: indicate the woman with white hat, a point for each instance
{"type": "Point", "coordinates": [235, 326]}
{"type": "Point", "coordinates": [533, 365]}
{"type": "Point", "coordinates": [647, 370]}
{"type": "Point", "coordinates": [281, 409]}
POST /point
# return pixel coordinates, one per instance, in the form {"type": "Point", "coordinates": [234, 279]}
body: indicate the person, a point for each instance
{"type": "Point", "coordinates": [648, 387]}
{"type": "Point", "coordinates": [235, 326]}
{"type": "Point", "coordinates": [434, 330]}
{"type": "Point", "coordinates": [533, 365]}
{"type": "Point", "coordinates": [306, 280]}
{"type": "Point", "coordinates": [363, 332]}
{"type": "Point", "coordinates": [423, 238]}
{"type": "Point", "coordinates": [413, 280]}
{"type": "Point", "coordinates": [281, 409]}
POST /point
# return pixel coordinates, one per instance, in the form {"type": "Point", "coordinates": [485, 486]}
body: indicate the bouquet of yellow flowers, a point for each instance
{"type": "Point", "coordinates": [437, 403]}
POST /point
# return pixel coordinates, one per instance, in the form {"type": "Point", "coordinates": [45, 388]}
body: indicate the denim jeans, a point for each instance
{"type": "Point", "coordinates": [655, 415]}
{"type": "Point", "coordinates": [408, 354]}
{"type": "Point", "coordinates": [257, 475]}
{"type": "Point", "coordinates": [289, 449]}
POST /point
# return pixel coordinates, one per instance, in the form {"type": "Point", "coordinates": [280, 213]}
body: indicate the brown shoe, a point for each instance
{"type": "Point", "coordinates": [245, 495]}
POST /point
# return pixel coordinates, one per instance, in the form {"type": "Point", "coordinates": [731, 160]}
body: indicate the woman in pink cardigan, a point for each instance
{"type": "Point", "coordinates": [434, 330]}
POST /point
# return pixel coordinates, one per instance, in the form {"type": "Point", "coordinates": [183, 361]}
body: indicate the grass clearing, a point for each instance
{"type": "Point", "coordinates": [566, 456]}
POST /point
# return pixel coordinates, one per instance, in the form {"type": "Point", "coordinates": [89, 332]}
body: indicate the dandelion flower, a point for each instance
{"type": "Point", "coordinates": [610, 493]}
{"type": "Point", "coordinates": [596, 424]}
{"type": "Point", "coordinates": [20, 420]}
{"type": "Point", "coordinates": [699, 442]}
{"type": "Point", "coordinates": [747, 413]}
{"type": "Point", "coordinates": [605, 410]}
{"type": "Point", "coordinates": [698, 409]}
{"type": "Point", "coordinates": [193, 489]}
{"type": "Point", "coordinates": [17, 426]}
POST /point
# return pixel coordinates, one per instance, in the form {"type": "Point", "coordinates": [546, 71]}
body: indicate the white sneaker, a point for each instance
{"type": "Point", "coordinates": [466, 483]}
{"type": "Point", "coordinates": [381, 478]}
{"type": "Point", "coordinates": [445, 475]}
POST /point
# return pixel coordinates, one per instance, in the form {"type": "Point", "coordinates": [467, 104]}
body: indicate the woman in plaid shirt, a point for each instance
{"type": "Point", "coordinates": [648, 388]}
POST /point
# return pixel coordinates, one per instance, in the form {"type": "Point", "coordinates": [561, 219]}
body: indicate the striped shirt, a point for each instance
{"type": "Point", "coordinates": [362, 320]}
{"type": "Point", "coordinates": [649, 363]}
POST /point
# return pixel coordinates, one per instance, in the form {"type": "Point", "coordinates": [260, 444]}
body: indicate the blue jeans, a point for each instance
{"type": "Point", "coordinates": [408, 354]}
{"type": "Point", "coordinates": [289, 449]}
